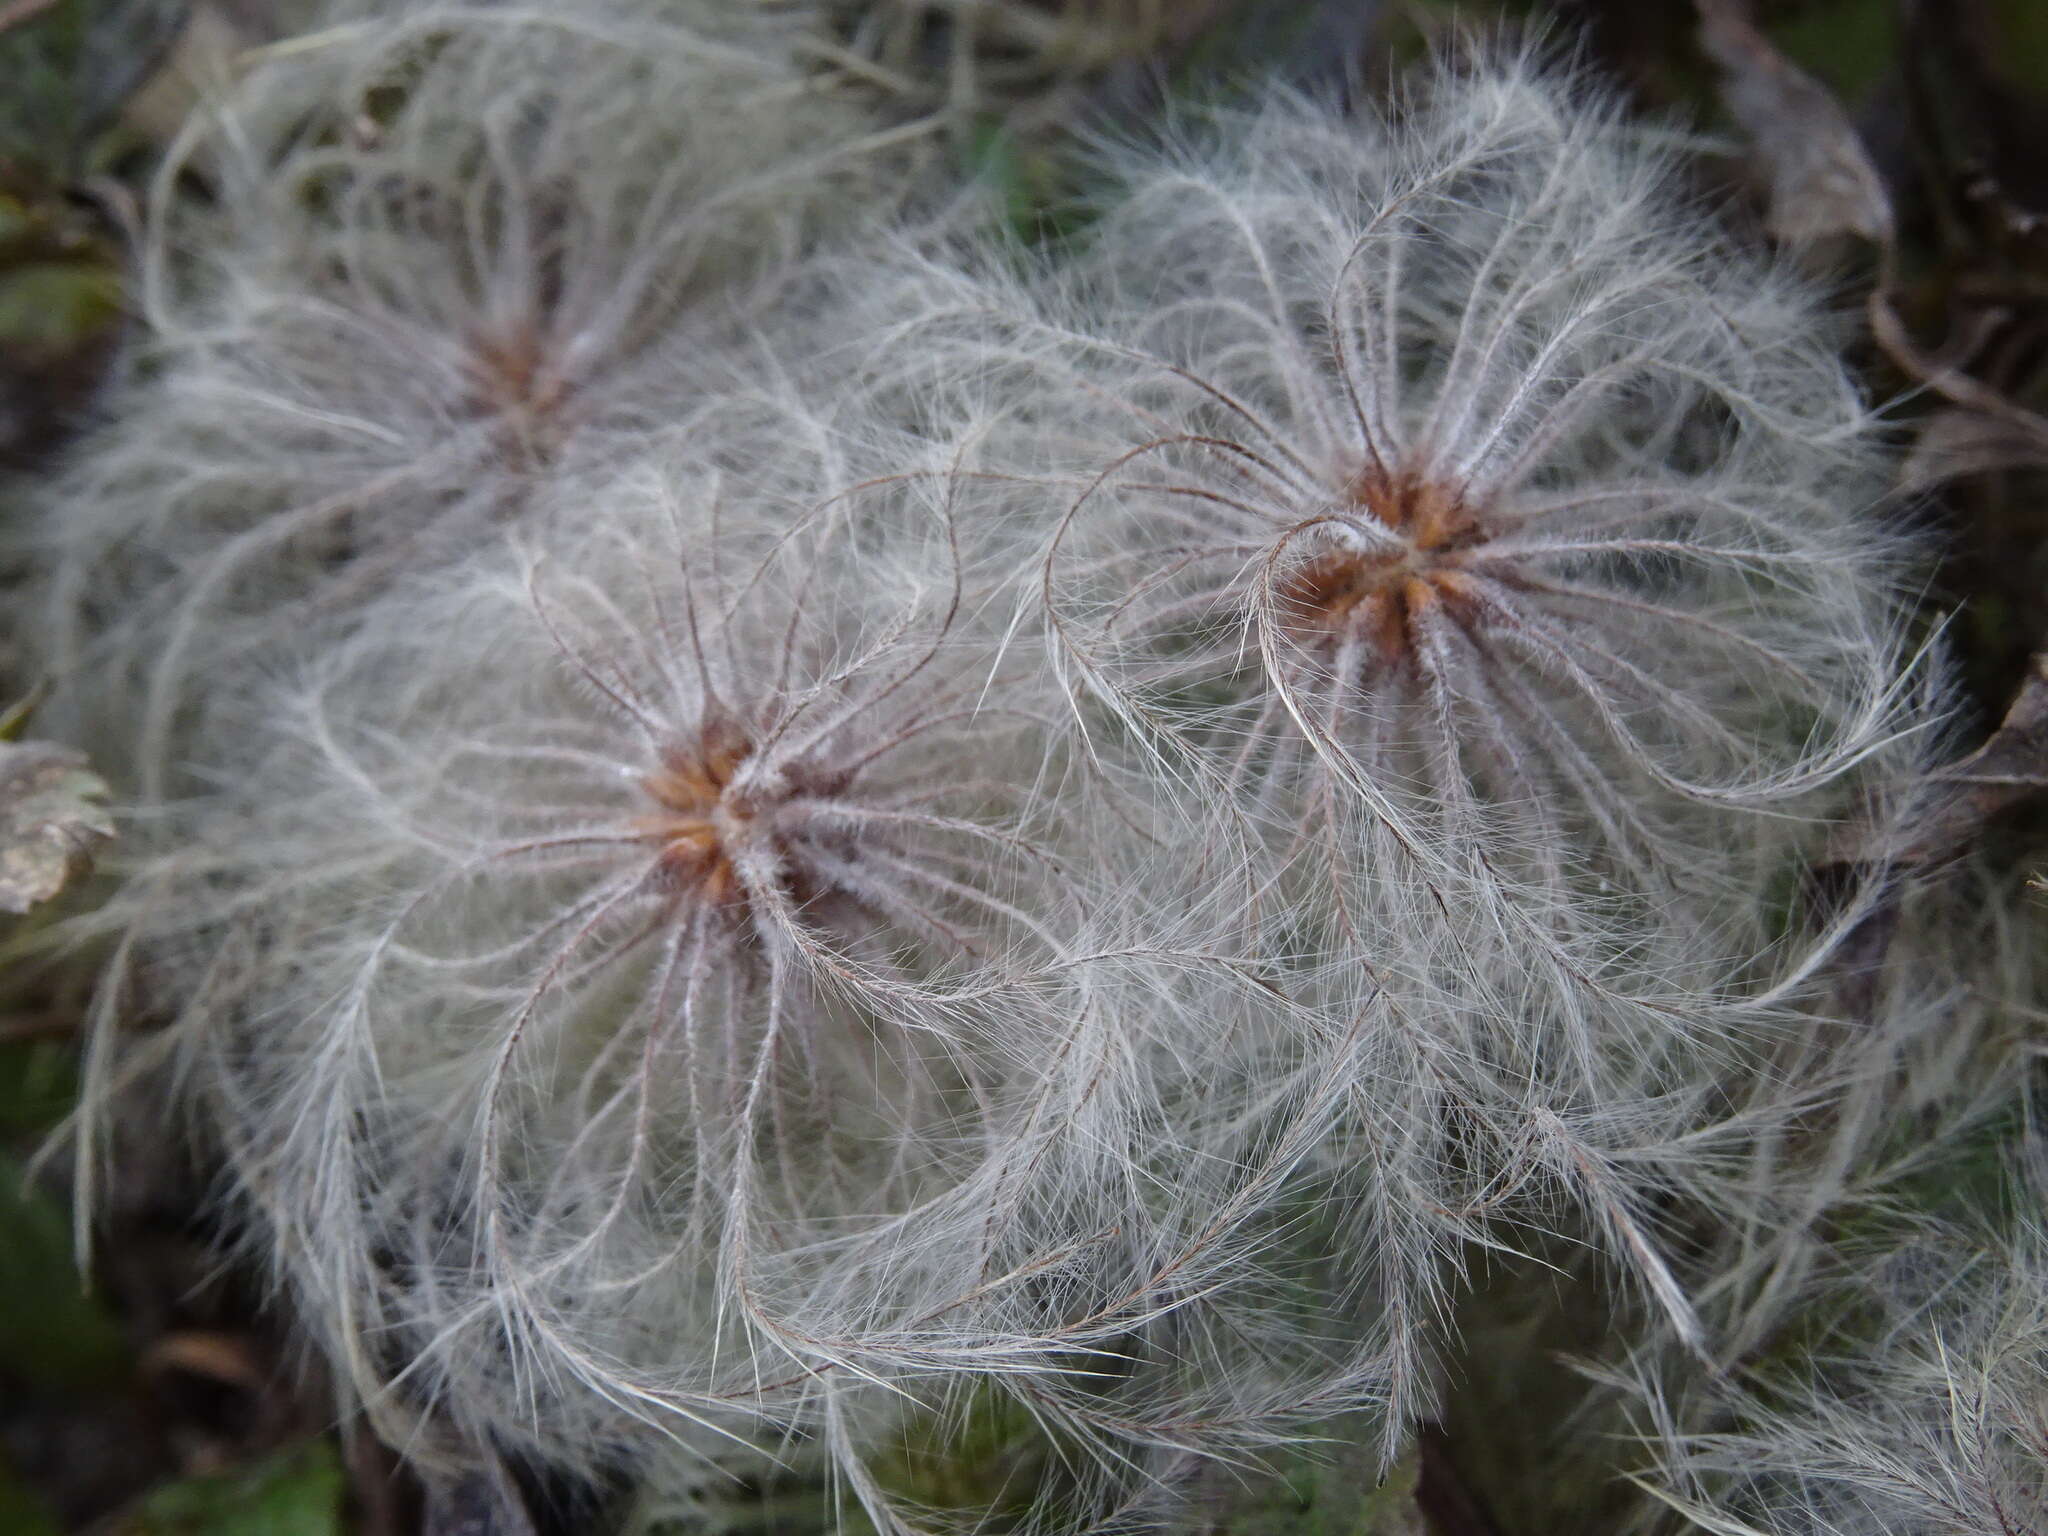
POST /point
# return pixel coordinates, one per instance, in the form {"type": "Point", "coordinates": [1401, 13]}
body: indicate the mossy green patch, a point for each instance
{"type": "Point", "coordinates": [52, 1333]}
{"type": "Point", "coordinates": [295, 1493]}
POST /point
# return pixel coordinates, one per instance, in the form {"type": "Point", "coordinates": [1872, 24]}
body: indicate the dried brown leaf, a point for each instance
{"type": "Point", "coordinates": [2014, 762]}
{"type": "Point", "coordinates": [1822, 181]}
{"type": "Point", "coordinates": [2009, 768]}
{"type": "Point", "coordinates": [1985, 433]}
{"type": "Point", "coordinates": [224, 1358]}
{"type": "Point", "coordinates": [53, 819]}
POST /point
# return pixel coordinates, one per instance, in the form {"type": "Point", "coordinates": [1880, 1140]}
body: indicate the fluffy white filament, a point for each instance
{"type": "Point", "coordinates": [432, 248]}
{"type": "Point", "coordinates": [1501, 545]}
{"type": "Point", "coordinates": [1088, 828]}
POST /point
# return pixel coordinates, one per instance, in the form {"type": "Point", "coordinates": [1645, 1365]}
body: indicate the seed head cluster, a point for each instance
{"type": "Point", "coordinates": [768, 827]}
{"type": "Point", "coordinates": [434, 248]}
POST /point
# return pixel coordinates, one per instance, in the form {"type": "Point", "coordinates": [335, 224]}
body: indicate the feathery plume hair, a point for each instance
{"type": "Point", "coordinates": [1502, 543]}
{"type": "Point", "coordinates": [682, 1009]}
{"type": "Point", "coordinates": [440, 240]}
{"type": "Point", "coordinates": [1468, 477]}
{"type": "Point", "coordinates": [1111, 911]}
{"type": "Point", "coordinates": [1924, 1411]}
{"type": "Point", "coordinates": [685, 871]}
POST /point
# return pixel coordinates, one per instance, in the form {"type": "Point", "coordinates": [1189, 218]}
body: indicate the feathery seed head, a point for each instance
{"type": "Point", "coordinates": [1444, 499]}
{"type": "Point", "coordinates": [705, 1003]}
{"type": "Point", "coordinates": [444, 242]}
{"type": "Point", "coordinates": [1466, 474]}
{"type": "Point", "coordinates": [652, 1041]}
{"type": "Point", "coordinates": [707, 988]}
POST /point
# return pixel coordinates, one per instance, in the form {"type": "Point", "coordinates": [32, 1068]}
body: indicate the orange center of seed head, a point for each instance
{"type": "Point", "coordinates": [1379, 595]}
{"type": "Point", "coordinates": [511, 380]}
{"type": "Point", "coordinates": [689, 788]}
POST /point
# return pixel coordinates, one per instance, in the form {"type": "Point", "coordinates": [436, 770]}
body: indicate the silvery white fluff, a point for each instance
{"type": "Point", "coordinates": [1924, 1035]}
{"type": "Point", "coordinates": [435, 243]}
{"type": "Point", "coordinates": [1498, 537]}
{"type": "Point", "coordinates": [1860, 1256]}
{"type": "Point", "coordinates": [689, 1001]}
{"type": "Point", "coordinates": [1922, 1411]}
{"type": "Point", "coordinates": [1449, 470]}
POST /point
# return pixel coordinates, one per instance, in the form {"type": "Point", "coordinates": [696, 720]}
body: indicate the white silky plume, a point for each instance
{"type": "Point", "coordinates": [1450, 470]}
{"type": "Point", "coordinates": [638, 942]}
{"type": "Point", "coordinates": [1090, 833]}
{"type": "Point", "coordinates": [699, 1001]}
{"type": "Point", "coordinates": [435, 243]}
{"type": "Point", "coordinates": [1465, 476]}
{"type": "Point", "coordinates": [1878, 1306]}
{"type": "Point", "coordinates": [1503, 544]}
{"type": "Point", "coordinates": [1920, 1412]}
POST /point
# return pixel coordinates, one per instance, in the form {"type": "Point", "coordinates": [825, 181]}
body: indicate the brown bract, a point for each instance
{"type": "Point", "coordinates": [1376, 595]}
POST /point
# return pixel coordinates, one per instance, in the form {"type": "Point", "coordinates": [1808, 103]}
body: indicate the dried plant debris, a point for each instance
{"type": "Point", "coordinates": [1955, 802]}
{"type": "Point", "coordinates": [1822, 182]}
{"type": "Point", "coordinates": [53, 819]}
{"type": "Point", "coordinates": [1957, 443]}
{"type": "Point", "coordinates": [2010, 768]}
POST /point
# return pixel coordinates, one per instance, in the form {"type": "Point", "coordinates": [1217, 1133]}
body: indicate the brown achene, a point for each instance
{"type": "Point", "coordinates": [700, 816]}
{"type": "Point", "coordinates": [514, 381]}
{"type": "Point", "coordinates": [1379, 595]}
{"type": "Point", "coordinates": [690, 787]}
